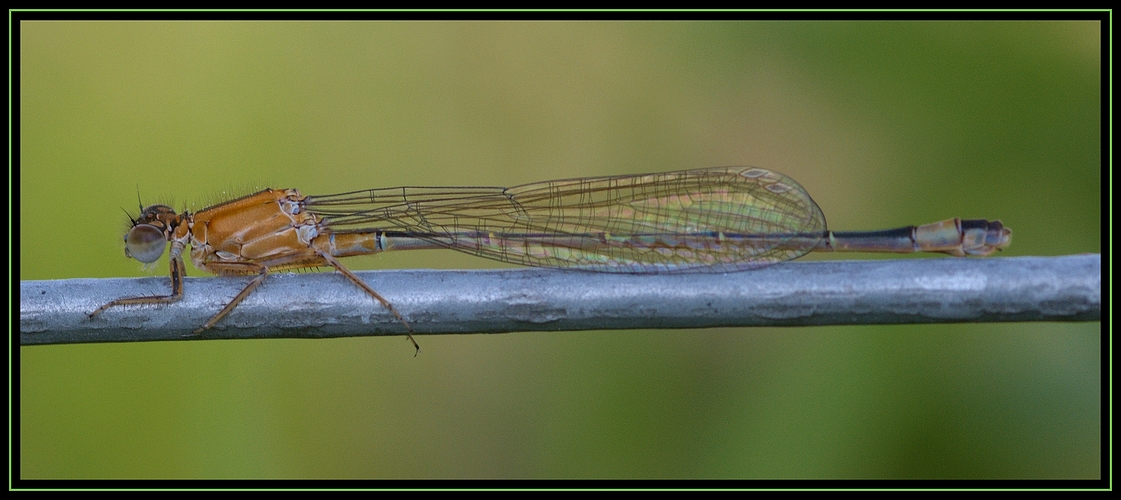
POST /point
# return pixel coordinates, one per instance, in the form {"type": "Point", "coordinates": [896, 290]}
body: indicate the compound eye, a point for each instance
{"type": "Point", "coordinates": [144, 242]}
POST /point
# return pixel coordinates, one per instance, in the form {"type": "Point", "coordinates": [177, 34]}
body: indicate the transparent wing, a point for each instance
{"type": "Point", "coordinates": [706, 220]}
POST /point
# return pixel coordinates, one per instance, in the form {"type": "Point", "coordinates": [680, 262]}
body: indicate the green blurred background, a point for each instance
{"type": "Point", "coordinates": [886, 124]}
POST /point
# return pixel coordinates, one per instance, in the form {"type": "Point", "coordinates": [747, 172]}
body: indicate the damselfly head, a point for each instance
{"type": "Point", "coordinates": [146, 239]}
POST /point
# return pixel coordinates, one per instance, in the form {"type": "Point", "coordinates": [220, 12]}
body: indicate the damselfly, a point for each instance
{"type": "Point", "coordinates": [712, 220]}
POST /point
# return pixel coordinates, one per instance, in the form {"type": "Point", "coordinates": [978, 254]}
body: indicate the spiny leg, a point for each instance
{"type": "Point", "coordinates": [262, 272]}
{"type": "Point", "coordinates": [358, 281]}
{"type": "Point", "coordinates": [177, 272]}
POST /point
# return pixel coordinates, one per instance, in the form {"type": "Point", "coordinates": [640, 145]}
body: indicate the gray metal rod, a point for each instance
{"type": "Point", "coordinates": [313, 305]}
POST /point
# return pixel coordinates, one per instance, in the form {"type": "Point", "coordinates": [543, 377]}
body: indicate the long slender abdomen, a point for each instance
{"type": "Point", "coordinates": [951, 236]}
